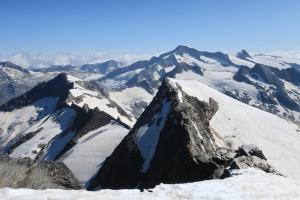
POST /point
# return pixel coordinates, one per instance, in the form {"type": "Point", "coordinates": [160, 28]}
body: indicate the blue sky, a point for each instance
{"type": "Point", "coordinates": [145, 27]}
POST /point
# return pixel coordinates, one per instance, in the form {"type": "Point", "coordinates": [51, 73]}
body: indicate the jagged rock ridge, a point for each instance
{"type": "Point", "coordinates": [170, 143]}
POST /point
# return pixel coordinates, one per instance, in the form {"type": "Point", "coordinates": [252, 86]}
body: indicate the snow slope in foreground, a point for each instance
{"type": "Point", "coordinates": [238, 123]}
{"type": "Point", "coordinates": [245, 184]}
{"type": "Point", "coordinates": [88, 155]}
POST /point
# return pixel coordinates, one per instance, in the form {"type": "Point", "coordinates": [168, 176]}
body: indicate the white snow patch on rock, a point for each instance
{"type": "Point", "coordinates": [148, 135]}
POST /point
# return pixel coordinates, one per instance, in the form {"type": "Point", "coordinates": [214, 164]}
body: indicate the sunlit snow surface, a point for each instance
{"type": "Point", "coordinates": [128, 96]}
{"type": "Point", "coordinates": [88, 155]}
{"type": "Point", "coordinates": [238, 123]}
{"type": "Point", "coordinates": [36, 117]}
{"type": "Point", "coordinates": [246, 184]}
{"type": "Point", "coordinates": [94, 100]}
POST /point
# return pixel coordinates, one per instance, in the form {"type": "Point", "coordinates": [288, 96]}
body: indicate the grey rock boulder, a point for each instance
{"type": "Point", "coordinates": [250, 150]}
{"type": "Point", "coordinates": [243, 162]}
{"type": "Point", "coordinates": [24, 173]}
{"type": "Point", "coordinates": [244, 157]}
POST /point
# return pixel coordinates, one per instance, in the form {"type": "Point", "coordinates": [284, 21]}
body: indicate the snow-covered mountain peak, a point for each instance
{"type": "Point", "coordinates": [103, 68]}
{"type": "Point", "coordinates": [10, 65]}
{"type": "Point", "coordinates": [48, 120]}
{"type": "Point", "coordinates": [221, 71]}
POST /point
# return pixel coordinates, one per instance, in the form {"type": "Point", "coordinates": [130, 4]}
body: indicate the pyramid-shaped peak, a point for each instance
{"type": "Point", "coordinates": [243, 54]}
{"type": "Point", "coordinates": [168, 144]}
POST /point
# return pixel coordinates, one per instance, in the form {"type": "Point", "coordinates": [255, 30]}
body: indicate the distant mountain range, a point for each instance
{"type": "Point", "coordinates": [102, 68]}
{"type": "Point", "coordinates": [263, 81]}
{"type": "Point", "coordinates": [184, 116]}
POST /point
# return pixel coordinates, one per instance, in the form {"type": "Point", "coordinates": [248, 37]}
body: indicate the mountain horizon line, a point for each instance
{"type": "Point", "coordinates": [32, 61]}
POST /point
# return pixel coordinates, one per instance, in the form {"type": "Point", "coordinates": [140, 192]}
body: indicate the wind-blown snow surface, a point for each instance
{"type": "Point", "coordinates": [245, 184]}
{"type": "Point", "coordinates": [87, 156]}
{"type": "Point", "coordinates": [238, 123]}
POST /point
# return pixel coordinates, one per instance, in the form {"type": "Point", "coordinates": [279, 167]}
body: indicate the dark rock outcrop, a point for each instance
{"type": "Point", "coordinates": [251, 156]}
{"type": "Point", "coordinates": [250, 150]}
{"type": "Point", "coordinates": [178, 136]}
{"type": "Point", "coordinates": [24, 173]}
{"type": "Point", "coordinates": [244, 157]}
{"type": "Point", "coordinates": [172, 143]}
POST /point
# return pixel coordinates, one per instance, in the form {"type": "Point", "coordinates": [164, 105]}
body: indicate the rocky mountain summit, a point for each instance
{"type": "Point", "coordinates": [172, 143]}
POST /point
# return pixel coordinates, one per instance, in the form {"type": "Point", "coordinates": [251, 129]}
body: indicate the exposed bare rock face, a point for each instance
{"type": "Point", "coordinates": [24, 173]}
{"type": "Point", "coordinates": [172, 143]}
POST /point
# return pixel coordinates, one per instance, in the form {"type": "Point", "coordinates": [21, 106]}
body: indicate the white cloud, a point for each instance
{"type": "Point", "coordinates": [44, 60]}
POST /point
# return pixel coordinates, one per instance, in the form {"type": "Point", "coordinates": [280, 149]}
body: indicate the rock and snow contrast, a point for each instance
{"type": "Point", "coordinates": [177, 139]}
{"type": "Point", "coordinates": [52, 118]}
{"type": "Point", "coordinates": [264, 81]}
{"type": "Point", "coordinates": [237, 123]}
{"type": "Point", "coordinates": [171, 123]}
